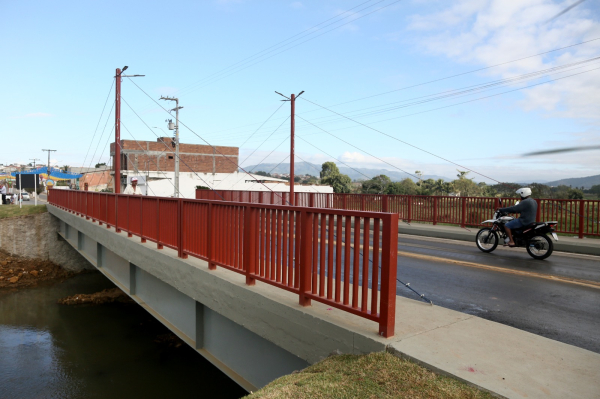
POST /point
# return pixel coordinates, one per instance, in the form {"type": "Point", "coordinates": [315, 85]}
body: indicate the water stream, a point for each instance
{"type": "Point", "coordinates": [95, 351]}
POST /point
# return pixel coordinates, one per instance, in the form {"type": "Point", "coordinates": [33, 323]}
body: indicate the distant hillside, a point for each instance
{"type": "Point", "coordinates": [586, 182]}
{"type": "Point", "coordinates": [303, 168]}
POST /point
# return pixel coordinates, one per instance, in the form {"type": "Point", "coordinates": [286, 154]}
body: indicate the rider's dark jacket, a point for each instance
{"type": "Point", "coordinates": [527, 208]}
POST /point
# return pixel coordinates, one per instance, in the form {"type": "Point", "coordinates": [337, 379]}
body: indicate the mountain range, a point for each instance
{"type": "Point", "coordinates": [307, 168]}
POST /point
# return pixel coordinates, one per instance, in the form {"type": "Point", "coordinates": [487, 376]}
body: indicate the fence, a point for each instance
{"type": "Point", "coordinates": [580, 217]}
{"type": "Point", "coordinates": [345, 259]}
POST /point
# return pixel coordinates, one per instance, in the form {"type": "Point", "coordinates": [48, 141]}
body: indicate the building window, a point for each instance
{"type": "Point", "coordinates": [170, 156]}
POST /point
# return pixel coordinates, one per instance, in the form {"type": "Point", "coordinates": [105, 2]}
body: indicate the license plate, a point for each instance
{"type": "Point", "coordinates": [555, 236]}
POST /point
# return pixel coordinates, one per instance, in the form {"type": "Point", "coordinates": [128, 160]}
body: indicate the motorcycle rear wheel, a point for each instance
{"type": "Point", "coordinates": [486, 239]}
{"type": "Point", "coordinates": [540, 247]}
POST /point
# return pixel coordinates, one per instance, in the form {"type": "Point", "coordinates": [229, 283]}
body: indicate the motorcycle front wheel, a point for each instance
{"type": "Point", "coordinates": [486, 239]}
{"type": "Point", "coordinates": [540, 247]}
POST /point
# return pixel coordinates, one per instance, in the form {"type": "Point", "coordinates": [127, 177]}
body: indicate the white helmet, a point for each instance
{"type": "Point", "coordinates": [524, 192]}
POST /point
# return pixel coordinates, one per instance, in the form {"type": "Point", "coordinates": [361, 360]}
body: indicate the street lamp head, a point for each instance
{"type": "Point", "coordinates": [124, 68]}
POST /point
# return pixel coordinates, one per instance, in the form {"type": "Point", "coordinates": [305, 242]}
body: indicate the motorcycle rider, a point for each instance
{"type": "Point", "coordinates": [527, 209]}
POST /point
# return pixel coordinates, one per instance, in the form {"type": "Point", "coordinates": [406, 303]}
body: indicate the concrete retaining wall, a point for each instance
{"type": "Point", "coordinates": [35, 236]}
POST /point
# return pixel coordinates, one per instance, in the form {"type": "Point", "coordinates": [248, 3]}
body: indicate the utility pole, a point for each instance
{"type": "Point", "coordinates": [176, 109]}
{"type": "Point", "coordinates": [35, 179]}
{"type": "Point", "coordinates": [117, 160]}
{"type": "Point", "coordinates": [292, 101]}
{"type": "Point", "coordinates": [48, 170]}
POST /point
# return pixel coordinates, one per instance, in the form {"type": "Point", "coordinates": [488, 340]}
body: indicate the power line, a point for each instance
{"type": "Point", "coordinates": [464, 102]}
{"type": "Point", "coordinates": [98, 124]}
{"type": "Point", "coordinates": [102, 135]}
{"type": "Point", "coordinates": [282, 104]}
{"type": "Point", "coordinates": [468, 72]}
{"type": "Point", "coordinates": [165, 144]}
{"type": "Point", "coordinates": [311, 30]}
{"type": "Point", "coordinates": [352, 145]}
{"type": "Point", "coordinates": [289, 48]}
{"type": "Point", "coordinates": [190, 129]}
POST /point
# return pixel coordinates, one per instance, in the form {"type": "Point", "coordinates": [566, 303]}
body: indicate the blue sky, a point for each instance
{"type": "Point", "coordinates": [225, 59]}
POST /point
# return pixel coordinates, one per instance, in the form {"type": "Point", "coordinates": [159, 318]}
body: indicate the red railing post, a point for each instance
{"type": "Point", "coordinates": [362, 202]}
{"type": "Point", "coordinates": [345, 196]}
{"type": "Point", "coordinates": [272, 197]}
{"type": "Point", "coordinates": [305, 257]}
{"type": "Point", "coordinates": [409, 210]}
{"type": "Point", "coordinates": [435, 210]}
{"type": "Point", "coordinates": [260, 197]}
{"type": "Point", "coordinates": [180, 252]}
{"type": "Point", "coordinates": [142, 220]}
{"type": "Point", "coordinates": [249, 260]}
{"type": "Point", "coordinates": [581, 210]}
{"type": "Point", "coordinates": [210, 237]}
{"type": "Point", "coordinates": [385, 206]}
{"type": "Point", "coordinates": [389, 270]}
{"type": "Point", "coordinates": [128, 219]}
{"type": "Point", "coordinates": [117, 229]}
{"type": "Point", "coordinates": [539, 210]}
{"type": "Point", "coordinates": [463, 219]}
{"type": "Point", "coordinates": [158, 244]}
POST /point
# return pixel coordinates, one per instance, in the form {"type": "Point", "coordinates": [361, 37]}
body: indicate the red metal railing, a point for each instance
{"type": "Point", "coordinates": [343, 258]}
{"type": "Point", "coordinates": [580, 217]}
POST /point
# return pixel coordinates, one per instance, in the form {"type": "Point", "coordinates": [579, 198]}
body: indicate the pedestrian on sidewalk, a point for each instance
{"type": "Point", "coordinates": [3, 191]}
{"type": "Point", "coordinates": [133, 189]}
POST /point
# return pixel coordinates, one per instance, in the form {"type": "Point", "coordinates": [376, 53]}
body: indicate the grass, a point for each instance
{"type": "Point", "coordinates": [377, 375]}
{"type": "Point", "coordinates": [11, 211]}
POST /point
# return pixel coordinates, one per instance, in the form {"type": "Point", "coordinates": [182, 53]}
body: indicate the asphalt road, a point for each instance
{"type": "Point", "coordinates": [558, 298]}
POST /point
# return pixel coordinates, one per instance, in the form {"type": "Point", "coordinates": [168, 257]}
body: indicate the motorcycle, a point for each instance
{"type": "Point", "coordinates": [533, 237]}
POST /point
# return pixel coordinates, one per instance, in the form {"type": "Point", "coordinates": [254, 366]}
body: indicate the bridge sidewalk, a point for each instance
{"type": "Point", "coordinates": [588, 246]}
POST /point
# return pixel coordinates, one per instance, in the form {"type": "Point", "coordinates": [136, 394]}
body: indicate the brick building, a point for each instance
{"type": "Point", "coordinates": [154, 156]}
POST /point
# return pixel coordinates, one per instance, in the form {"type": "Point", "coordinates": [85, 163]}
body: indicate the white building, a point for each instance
{"type": "Point", "coordinates": [162, 183]}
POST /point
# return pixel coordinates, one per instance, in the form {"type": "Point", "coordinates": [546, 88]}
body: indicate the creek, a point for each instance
{"type": "Point", "coordinates": [115, 350]}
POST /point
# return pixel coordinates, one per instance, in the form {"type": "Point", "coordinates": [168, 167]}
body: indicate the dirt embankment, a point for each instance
{"type": "Point", "coordinates": [18, 272]}
{"type": "Point", "coordinates": [109, 295]}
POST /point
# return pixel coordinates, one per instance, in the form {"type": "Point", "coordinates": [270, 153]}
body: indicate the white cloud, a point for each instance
{"type": "Point", "coordinates": [490, 32]}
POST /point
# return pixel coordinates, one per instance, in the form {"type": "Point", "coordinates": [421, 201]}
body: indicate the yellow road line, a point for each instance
{"type": "Point", "coordinates": [585, 283]}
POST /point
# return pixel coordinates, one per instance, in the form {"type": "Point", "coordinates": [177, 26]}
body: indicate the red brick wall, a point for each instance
{"type": "Point", "coordinates": [193, 157]}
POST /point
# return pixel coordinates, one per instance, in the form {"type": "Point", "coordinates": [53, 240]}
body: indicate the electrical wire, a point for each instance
{"type": "Point", "coordinates": [311, 30]}
{"type": "Point", "coordinates": [98, 124]}
{"type": "Point", "coordinates": [102, 135]}
{"type": "Point", "coordinates": [438, 80]}
{"type": "Point", "coordinates": [452, 105]}
{"type": "Point", "coordinates": [191, 130]}
{"type": "Point", "coordinates": [215, 79]}
{"type": "Point", "coordinates": [165, 144]}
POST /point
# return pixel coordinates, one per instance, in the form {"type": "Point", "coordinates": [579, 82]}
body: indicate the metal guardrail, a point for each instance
{"type": "Point", "coordinates": [578, 217]}
{"type": "Point", "coordinates": [344, 258]}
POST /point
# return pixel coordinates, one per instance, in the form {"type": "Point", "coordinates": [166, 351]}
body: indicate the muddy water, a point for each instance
{"type": "Point", "coordinates": [95, 351]}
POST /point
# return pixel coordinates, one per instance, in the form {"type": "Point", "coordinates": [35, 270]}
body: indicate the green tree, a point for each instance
{"type": "Point", "coordinates": [331, 176]}
{"type": "Point", "coordinates": [539, 190]}
{"type": "Point", "coordinates": [595, 189]}
{"type": "Point", "coordinates": [261, 173]}
{"type": "Point", "coordinates": [404, 187]}
{"type": "Point", "coordinates": [467, 187]}
{"type": "Point", "coordinates": [575, 193]}
{"type": "Point", "coordinates": [329, 169]}
{"type": "Point", "coordinates": [376, 185]}
{"type": "Point", "coordinates": [438, 187]}
{"type": "Point", "coordinates": [100, 164]}
{"type": "Point", "coordinates": [486, 191]}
